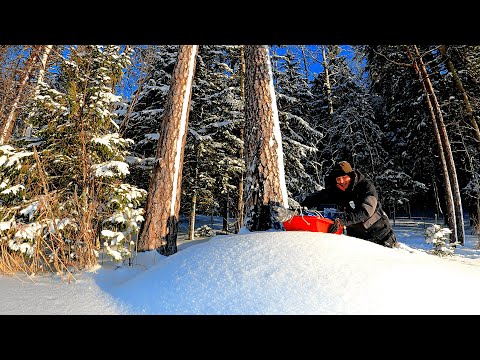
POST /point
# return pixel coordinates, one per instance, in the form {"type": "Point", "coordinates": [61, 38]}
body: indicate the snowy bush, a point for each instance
{"type": "Point", "coordinates": [12, 163]}
{"type": "Point", "coordinates": [439, 236]}
{"type": "Point", "coordinates": [13, 167]}
{"type": "Point", "coordinates": [204, 231]}
{"type": "Point", "coordinates": [125, 221]}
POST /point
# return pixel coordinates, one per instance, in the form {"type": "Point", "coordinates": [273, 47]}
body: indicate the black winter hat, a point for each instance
{"type": "Point", "coordinates": [341, 168]}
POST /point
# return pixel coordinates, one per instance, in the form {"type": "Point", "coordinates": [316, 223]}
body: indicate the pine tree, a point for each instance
{"type": "Point", "coordinates": [456, 81]}
{"type": "Point", "coordinates": [163, 202]}
{"type": "Point", "coordinates": [74, 196]}
{"type": "Point", "coordinates": [299, 139]}
{"type": "Point", "coordinates": [265, 175]}
{"type": "Point", "coordinates": [142, 117]}
{"type": "Point", "coordinates": [7, 122]}
{"type": "Point", "coordinates": [402, 117]}
{"type": "Point", "coordinates": [216, 119]}
{"type": "Point", "coordinates": [455, 212]}
{"type": "Point", "coordinates": [349, 124]}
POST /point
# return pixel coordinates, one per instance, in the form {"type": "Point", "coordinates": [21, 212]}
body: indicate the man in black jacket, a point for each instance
{"type": "Point", "coordinates": [356, 195]}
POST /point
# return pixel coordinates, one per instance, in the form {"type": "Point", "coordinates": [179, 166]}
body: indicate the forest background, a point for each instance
{"type": "Point", "coordinates": [406, 116]}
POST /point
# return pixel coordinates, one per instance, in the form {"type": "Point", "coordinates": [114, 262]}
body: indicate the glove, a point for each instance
{"type": "Point", "coordinates": [305, 211]}
{"type": "Point", "coordinates": [293, 204]}
{"type": "Point", "coordinates": [281, 214]}
{"type": "Point", "coordinates": [337, 223]}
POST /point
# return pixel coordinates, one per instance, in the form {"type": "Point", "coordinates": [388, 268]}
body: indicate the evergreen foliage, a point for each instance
{"type": "Point", "coordinates": [299, 138]}
{"type": "Point", "coordinates": [401, 114]}
{"type": "Point", "coordinates": [74, 196]}
{"type": "Point", "coordinates": [458, 120]}
{"type": "Point", "coordinates": [439, 237]}
{"type": "Point", "coordinates": [212, 165]}
{"type": "Point", "coordinates": [142, 120]}
{"type": "Point", "coordinates": [350, 126]}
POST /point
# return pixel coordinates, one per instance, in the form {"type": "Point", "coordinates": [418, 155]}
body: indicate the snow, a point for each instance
{"type": "Point", "coordinates": [270, 272]}
{"type": "Point", "coordinates": [182, 127]}
{"type": "Point", "coordinates": [29, 210]}
{"type": "Point", "coordinates": [104, 169]}
{"type": "Point", "coordinates": [13, 190]}
{"type": "Point", "coordinates": [277, 135]}
{"type": "Point", "coordinates": [113, 138]}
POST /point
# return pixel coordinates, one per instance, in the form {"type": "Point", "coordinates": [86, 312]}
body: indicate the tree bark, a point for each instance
{"type": "Point", "coordinates": [43, 64]}
{"type": "Point", "coordinates": [7, 125]}
{"type": "Point", "coordinates": [240, 201]}
{"type": "Point", "coordinates": [450, 209]}
{"type": "Point", "coordinates": [41, 75]}
{"type": "Point", "coordinates": [305, 64]}
{"type": "Point", "coordinates": [449, 164]}
{"type": "Point", "coordinates": [328, 87]}
{"type": "Point", "coordinates": [459, 85]}
{"type": "Point", "coordinates": [193, 209]}
{"type": "Point", "coordinates": [265, 176]}
{"type": "Point", "coordinates": [226, 206]}
{"type": "Point", "coordinates": [163, 201]}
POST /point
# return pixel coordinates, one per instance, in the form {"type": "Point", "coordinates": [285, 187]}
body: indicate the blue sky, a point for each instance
{"type": "Point", "coordinates": [315, 66]}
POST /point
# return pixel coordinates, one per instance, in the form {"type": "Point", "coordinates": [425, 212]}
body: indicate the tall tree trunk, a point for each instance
{"type": "Point", "coordinates": [471, 168]}
{"type": "Point", "coordinates": [41, 76]}
{"type": "Point", "coordinates": [457, 200]}
{"type": "Point", "coordinates": [43, 64]}
{"type": "Point", "coordinates": [459, 85]}
{"type": "Point", "coordinates": [226, 206]}
{"type": "Point", "coordinates": [450, 209]}
{"type": "Point", "coordinates": [437, 203]}
{"type": "Point", "coordinates": [265, 176]}
{"type": "Point", "coordinates": [475, 217]}
{"type": "Point", "coordinates": [305, 63]}
{"type": "Point", "coordinates": [7, 125]}
{"type": "Point", "coordinates": [240, 202]}
{"type": "Point", "coordinates": [163, 201]}
{"type": "Point", "coordinates": [328, 87]}
{"type": "Point", "coordinates": [193, 209]}
{"type": "Point", "coordinates": [468, 106]}
{"type": "Point", "coordinates": [450, 164]}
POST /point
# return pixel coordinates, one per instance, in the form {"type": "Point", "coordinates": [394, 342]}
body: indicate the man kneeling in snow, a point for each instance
{"type": "Point", "coordinates": [356, 195]}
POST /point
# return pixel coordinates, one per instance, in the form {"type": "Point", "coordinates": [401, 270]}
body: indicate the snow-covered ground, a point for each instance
{"type": "Point", "coordinates": [265, 273]}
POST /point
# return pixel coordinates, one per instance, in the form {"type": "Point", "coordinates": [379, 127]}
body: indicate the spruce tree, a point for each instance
{"type": "Point", "coordinates": [401, 114]}
{"type": "Point", "coordinates": [142, 115]}
{"type": "Point", "coordinates": [212, 163]}
{"type": "Point", "coordinates": [299, 138]}
{"type": "Point", "coordinates": [349, 125]}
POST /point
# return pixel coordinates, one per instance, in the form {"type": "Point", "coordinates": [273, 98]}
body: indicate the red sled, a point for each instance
{"type": "Point", "coordinates": [310, 223]}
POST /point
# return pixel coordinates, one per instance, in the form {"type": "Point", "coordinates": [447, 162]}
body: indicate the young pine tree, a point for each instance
{"type": "Point", "coordinates": [75, 197]}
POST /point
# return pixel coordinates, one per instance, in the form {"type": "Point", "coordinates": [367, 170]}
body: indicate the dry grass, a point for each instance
{"type": "Point", "coordinates": [57, 249]}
